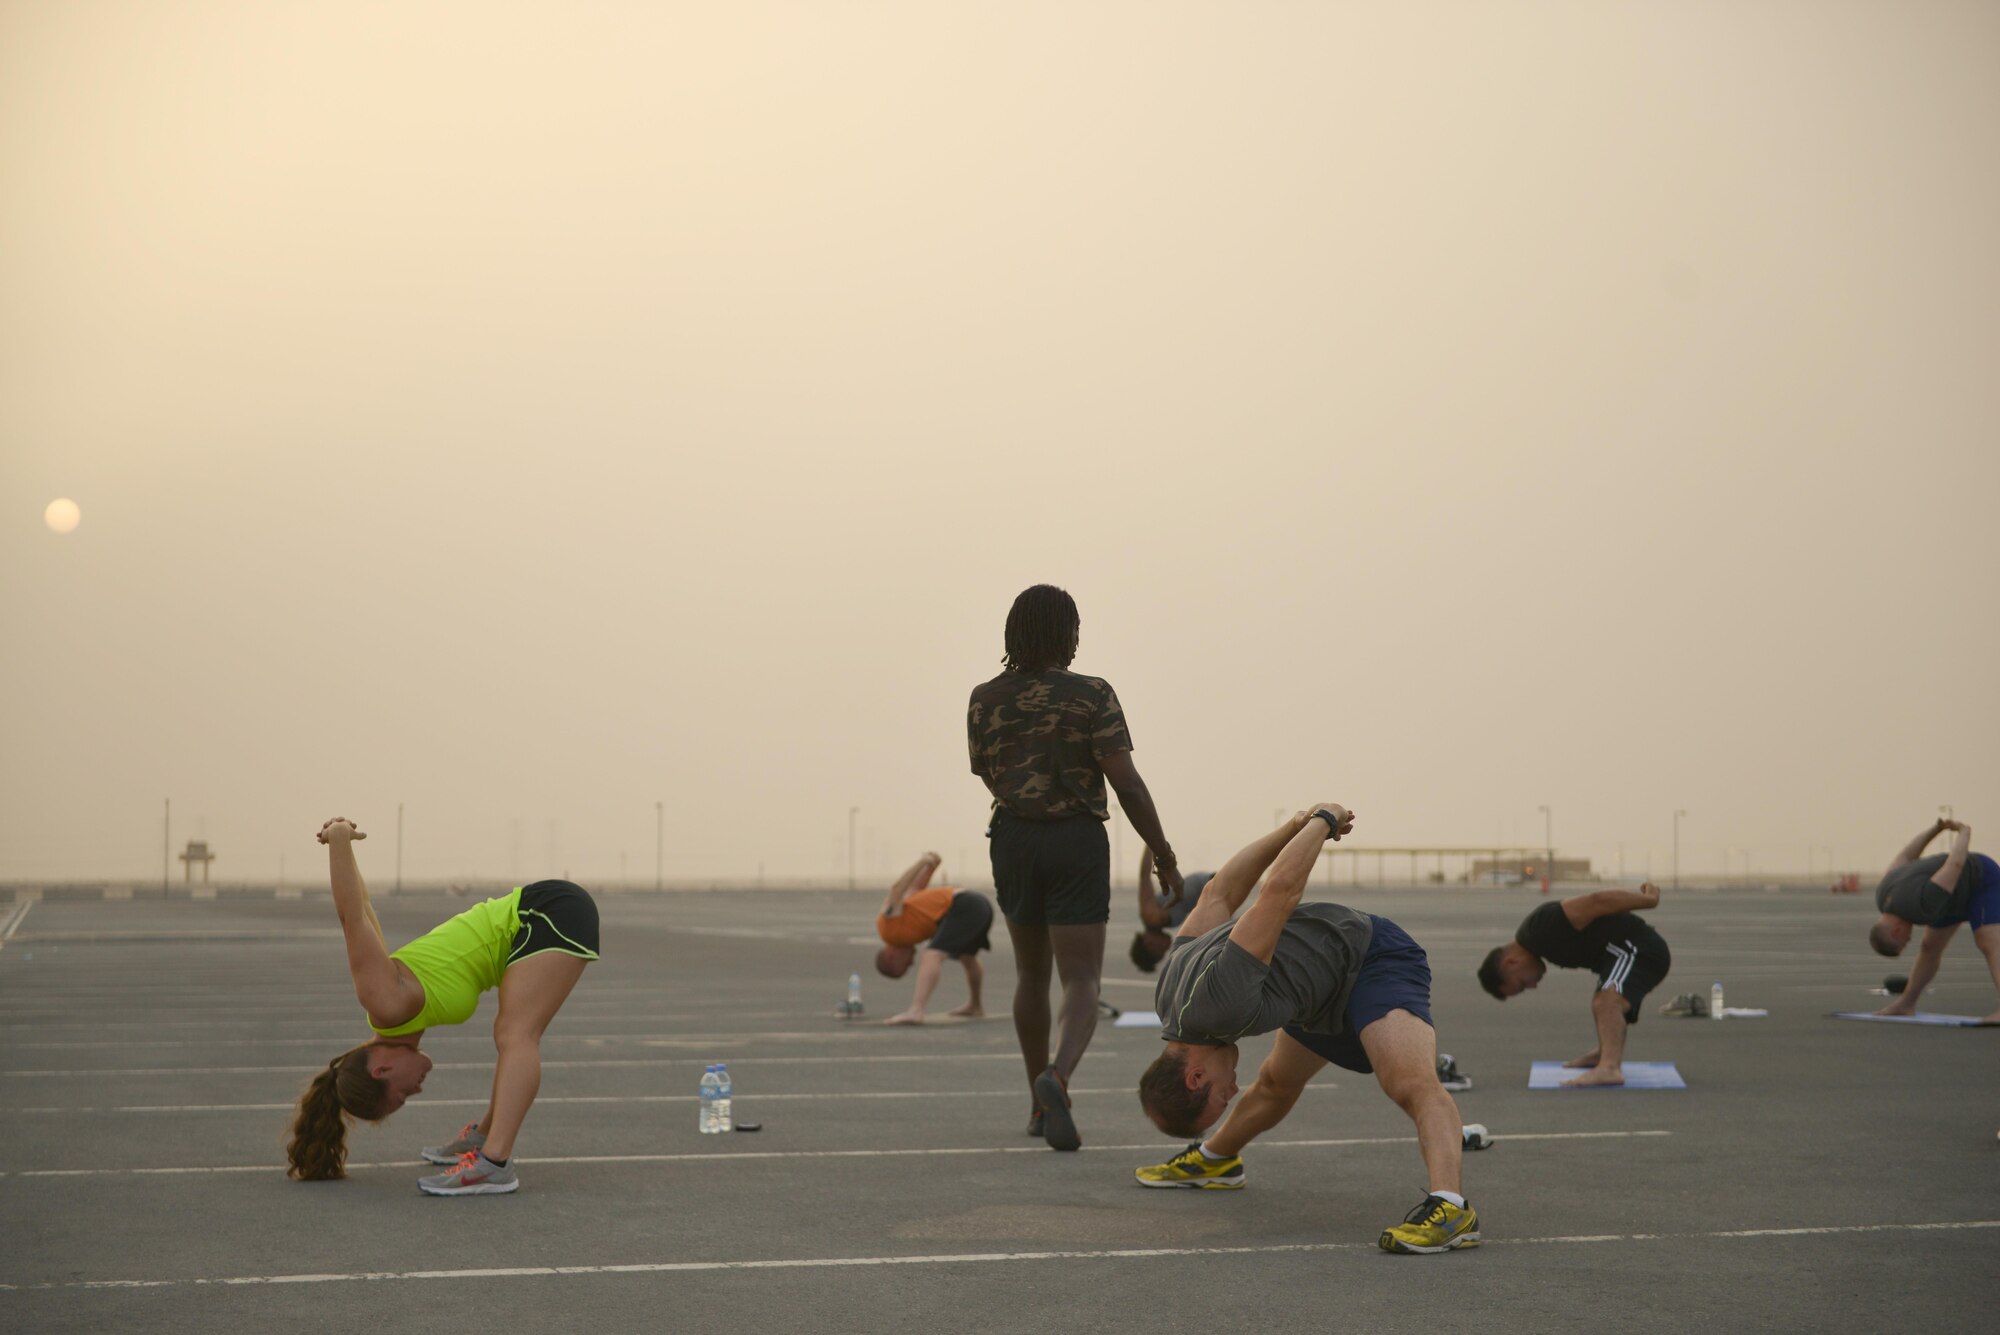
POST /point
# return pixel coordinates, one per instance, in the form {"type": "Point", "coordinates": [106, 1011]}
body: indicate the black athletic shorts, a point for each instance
{"type": "Point", "coordinates": [1056, 872]}
{"type": "Point", "coordinates": [962, 929]}
{"type": "Point", "coordinates": [556, 915]}
{"type": "Point", "coordinates": [1636, 968]}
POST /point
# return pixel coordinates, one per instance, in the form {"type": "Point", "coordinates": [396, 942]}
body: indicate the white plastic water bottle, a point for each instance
{"type": "Point", "coordinates": [724, 1121]}
{"type": "Point", "coordinates": [711, 1092]}
{"type": "Point", "coordinates": [854, 994]}
{"type": "Point", "coordinates": [1715, 1002]}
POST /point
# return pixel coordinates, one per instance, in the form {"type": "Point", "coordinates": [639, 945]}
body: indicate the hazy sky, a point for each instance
{"type": "Point", "coordinates": [528, 412]}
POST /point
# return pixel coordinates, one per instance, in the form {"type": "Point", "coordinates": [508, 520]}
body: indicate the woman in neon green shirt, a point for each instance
{"type": "Point", "coordinates": [531, 943]}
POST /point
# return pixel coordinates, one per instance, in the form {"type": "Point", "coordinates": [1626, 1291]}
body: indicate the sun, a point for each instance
{"type": "Point", "coordinates": [63, 515]}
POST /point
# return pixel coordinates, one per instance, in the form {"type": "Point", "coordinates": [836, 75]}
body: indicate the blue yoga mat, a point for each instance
{"type": "Point", "coordinates": [1921, 1017]}
{"type": "Point", "coordinates": [1638, 1075]}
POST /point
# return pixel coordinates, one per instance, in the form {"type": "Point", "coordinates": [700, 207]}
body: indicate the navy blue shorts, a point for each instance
{"type": "Point", "coordinates": [1395, 976]}
{"type": "Point", "coordinates": [1985, 906]}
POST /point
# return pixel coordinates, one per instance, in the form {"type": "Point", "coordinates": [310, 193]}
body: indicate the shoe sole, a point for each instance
{"type": "Point", "coordinates": [483, 1189]}
{"type": "Point", "coordinates": [1199, 1183]}
{"type": "Point", "coordinates": [1058, 1127]}
{"type": "Point", "coordinates": [1390, 1244]}
{"type": "Point", "coordinates": [1456, 1086]}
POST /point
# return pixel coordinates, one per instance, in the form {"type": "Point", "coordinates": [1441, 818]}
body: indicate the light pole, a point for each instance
{"type": "Point", "coordinates": [659, 845]}
{"type": "Point", "coordinates": [1549, 840]}
{"type": "Point", "coordinates": [166, 840]}
{"type": "Point", "coordinates": [852, 812]}
{"type": "Point", "coordinates": [1677, 849]}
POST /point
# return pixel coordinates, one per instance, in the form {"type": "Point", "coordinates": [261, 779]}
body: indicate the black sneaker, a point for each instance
{"type": "Point", "coordinates": [1450, 1076]}
{"type": "Point", "coordinates": [1058, 1127]}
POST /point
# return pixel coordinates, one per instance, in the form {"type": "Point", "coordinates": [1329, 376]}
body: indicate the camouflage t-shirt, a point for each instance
{"type": "Point", "coordinates": [1038, 740]}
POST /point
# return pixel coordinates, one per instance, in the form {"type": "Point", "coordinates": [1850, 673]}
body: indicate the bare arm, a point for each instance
{"type": "Point", "coordinates": [378, 984]}
{"type": "Point", "coordinates": [1152, 913]}
{"type": "Point", "coordinates": [1930, 954]}
{"type": "Point", "coordinates": [1258, 929]}
{"type": "Point", "coordinates": [1915, 848]}
{"type": "Point", "coordinates": [1229, 887]}
{"type": "Point", "coordinates": [1133, 796]}
{"type": "Point", "coordinates": [1946, 877]}
{"type": "Point", "coordinates": [1583, 909]}
{"type": "Point", "coordinates": [916, 878]}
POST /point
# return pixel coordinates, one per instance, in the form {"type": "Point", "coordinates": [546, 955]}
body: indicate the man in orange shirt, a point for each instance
{"type": "Point", "coordinates": [953, 922]}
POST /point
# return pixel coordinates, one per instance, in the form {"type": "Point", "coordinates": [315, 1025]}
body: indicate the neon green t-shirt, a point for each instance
{"type": "Point", "coordinates": [457, 960]}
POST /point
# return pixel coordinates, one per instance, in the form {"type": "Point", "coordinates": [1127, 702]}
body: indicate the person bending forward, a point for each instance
{"type": "Point", "coordinates": [1600, 932]}
{"type": "Point", "coordinates": [532, 944]}
{"type": "Point", "coordinates": [1338, 985]}
{"type": "Point", "coordinates": [1940, 893]}
{"type": "Point", "coordinates": [950, 924]}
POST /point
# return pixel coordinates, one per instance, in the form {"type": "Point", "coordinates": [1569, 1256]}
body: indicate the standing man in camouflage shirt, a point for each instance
{"type": "Point", "coordinates": [1045, 740]}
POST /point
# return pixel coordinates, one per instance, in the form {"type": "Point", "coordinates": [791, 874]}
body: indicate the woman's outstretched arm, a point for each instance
{"type": "Point", "coordinates": [378, 983]}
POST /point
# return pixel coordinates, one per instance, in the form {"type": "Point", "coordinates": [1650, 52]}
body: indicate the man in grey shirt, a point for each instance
{"type": "Point", "coordinates": [1337, 985]}
{"type": "Point", "coordinates": [1940, 893]}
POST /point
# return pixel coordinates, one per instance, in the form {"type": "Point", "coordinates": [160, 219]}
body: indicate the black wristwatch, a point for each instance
{"type": "Point", "coordinates": [1331, 823]}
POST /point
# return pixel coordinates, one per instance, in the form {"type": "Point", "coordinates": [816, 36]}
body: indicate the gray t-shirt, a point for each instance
{"type": "Point", "coordinates": [1213, 991]}
{"type": "Point", "coordinates": [1191, 886]}
{"type": "Point", "coordinates": [1909, 893]}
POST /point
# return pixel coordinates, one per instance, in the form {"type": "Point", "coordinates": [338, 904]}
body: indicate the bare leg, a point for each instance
{"type": "Point", "coordinates": [1403, 1051]}
{"type": "Point", "coordinates": [1079, 952]}
{"type": "Point", "coordinates": [531, 992]}
{"type": "Point", "coordinates": [1607, 1008]}
{"type": "Point", "coordinates": [1032, 967]}
{"type": "Point", "coordinates": [1987, 938]}
{"type": "Point", "coordinates": [930, 968]}
{"type": "Point", "coordinates": [975, 976]}
{"type": "Point", "coordinates": [1280, 1081]}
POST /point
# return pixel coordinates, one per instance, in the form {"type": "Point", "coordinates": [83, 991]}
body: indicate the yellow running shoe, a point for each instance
{"type": "Point", "coordinates": [1434, 1226]}
{"type": "Point", "coordinates": [1192, 1168]}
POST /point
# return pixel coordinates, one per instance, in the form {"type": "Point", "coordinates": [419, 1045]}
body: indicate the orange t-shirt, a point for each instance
{"type": "Point", "coordinates": [919, 919]}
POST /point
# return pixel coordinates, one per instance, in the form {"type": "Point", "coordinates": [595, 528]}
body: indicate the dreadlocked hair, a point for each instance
{"type": "Point", "coordinates": [1041, 630]}
{"type": "Point", "coordinates": [342, 1089]}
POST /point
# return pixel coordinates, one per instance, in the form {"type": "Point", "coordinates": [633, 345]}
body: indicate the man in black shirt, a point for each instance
{"type": "Point", "coordinates": [1599, 932]}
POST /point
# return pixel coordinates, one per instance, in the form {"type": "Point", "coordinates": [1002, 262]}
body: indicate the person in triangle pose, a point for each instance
{"type": "Point", "coordinates": [1337, 985]}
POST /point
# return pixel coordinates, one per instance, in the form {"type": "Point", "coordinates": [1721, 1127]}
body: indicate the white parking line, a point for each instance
{"type": "Point", "coordinates": [655, 1062]}
{"type": "Point", "coordinates": [744, 1155]}
{"type": "Point", "coordinates": [14, 921]}
{"type": "Point", "coordinates": [982, 1258]}
{"type": "Point", "coordinates": [1315, 1087]}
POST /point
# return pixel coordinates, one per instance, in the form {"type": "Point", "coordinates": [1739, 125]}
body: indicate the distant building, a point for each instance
{"type": "Point", "coordinates": [1519, 871]}
{"type": "Point", "coordinates": [197, 851]}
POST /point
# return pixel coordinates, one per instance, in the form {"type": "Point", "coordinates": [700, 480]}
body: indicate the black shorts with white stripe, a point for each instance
{"type": "Point", "coordinates": [1632, 968]}
{"type": "Point", "coordinates": [556, 915]}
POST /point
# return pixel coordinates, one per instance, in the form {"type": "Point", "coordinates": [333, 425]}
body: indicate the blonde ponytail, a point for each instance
{"type": "Point", "coordinates": [317, 1150]}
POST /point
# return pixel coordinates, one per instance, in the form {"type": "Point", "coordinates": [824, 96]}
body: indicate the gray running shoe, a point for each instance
{"type": "Point", "coordinates": [473, 1175]}
{"type": "Point", "coordinates": [1450, 1076]}
{"type": "Point", "coordinates": [447, 1155]}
